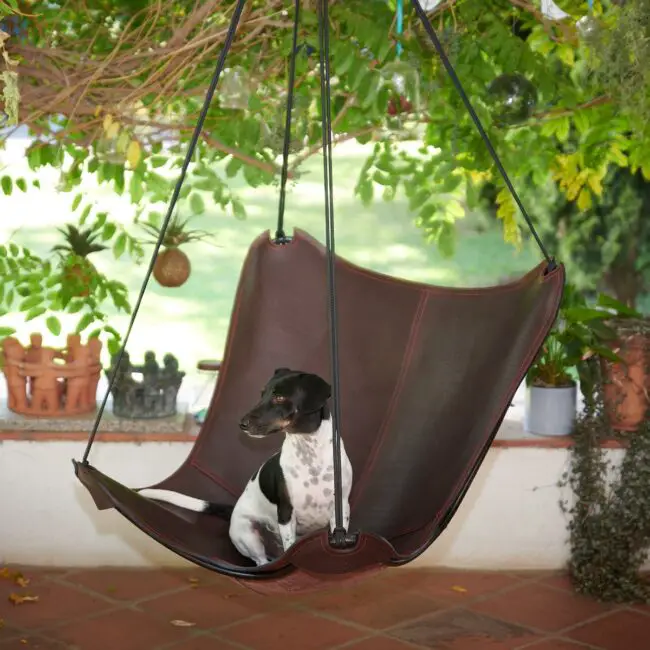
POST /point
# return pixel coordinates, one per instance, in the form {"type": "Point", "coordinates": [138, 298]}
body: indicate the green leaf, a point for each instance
{"type": "Point", "coordinates": [29, 303]}
{"type": "Point", "coordinates": [54, 325]}
{"type": "Point", "coordinates": [7, 185]}
{"type": "Point", "coordinates": [108, 231]}
{"type": "Point", "coordinates": [112, 331]}
{"type": "Point", "coordinates": [21, 184]}
{"type": "Point", "coordinates": [446, 239]}
{"type": "Point", "coordinates": [7, 331]}
{"type": "Point", "coordinates": [35, 313]}
{"type": "Point", "coordinates": [85, 213]}
{"type": "Point", "coordinates": [621, 309]}
{"type": "Point", "coordinates": [113, 346]}
{"type": "Point", "coordinates": [75, 306]}
{"type": "Point", "coordinates": [84, 322]}
{"type": "Point", "coordinates": [365, 190]}
{"type": "Point", "coordinates": [76, 202]}
{"type": "Point", "coordinates": [197, 204]}
{"type": "Point", "coordinates": [157, 161]}
{"type": "Point", "coordinates": [238, 209]}
{"type": "Point", "coordinates": [120, 245]}
{"type": "Point", "coordinates": [233, 167]}
{"type": "Point", "coordinates": [136, 188]}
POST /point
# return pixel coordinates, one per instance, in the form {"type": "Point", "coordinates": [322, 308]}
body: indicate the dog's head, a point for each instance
{"type": "Point", "coordinates": [292, 402]}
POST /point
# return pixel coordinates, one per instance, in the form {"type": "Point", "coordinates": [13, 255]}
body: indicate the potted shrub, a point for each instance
{"type": "Point", "coordinates": [77, 269]}
{"type": "Point", "coordinates": [552, 381]}
{"type": "Point", "coordinates": [551, 390]}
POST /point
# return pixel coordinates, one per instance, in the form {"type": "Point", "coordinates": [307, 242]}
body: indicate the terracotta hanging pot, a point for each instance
{"type": "Point", "coordinates": [172, 267]}
{"type": "Point", "coordinates": [626, 390]}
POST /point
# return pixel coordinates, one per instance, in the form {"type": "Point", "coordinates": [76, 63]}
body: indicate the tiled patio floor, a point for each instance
{"type": "Point", "coordinates": [397, 610]}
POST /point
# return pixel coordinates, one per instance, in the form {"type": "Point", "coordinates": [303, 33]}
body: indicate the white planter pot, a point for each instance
{"type": "Point", "coordinates": [550, 411]}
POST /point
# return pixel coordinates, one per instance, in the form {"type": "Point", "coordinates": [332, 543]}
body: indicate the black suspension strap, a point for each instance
{"type": "Point", "coordinates": [280, 236]}
{"type": "Point", "coordinates": [426, 23]}
{"type": "Point", "coordinates": [339, 537]}
{"type": "Point", "coordinates": [221, 63]}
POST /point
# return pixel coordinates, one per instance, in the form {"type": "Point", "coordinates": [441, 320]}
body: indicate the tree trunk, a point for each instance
{"type": "Point", "coordinates": [624, 282]}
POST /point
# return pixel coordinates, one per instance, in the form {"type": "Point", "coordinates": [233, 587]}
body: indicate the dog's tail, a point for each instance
{"type": "Point", "coordinates": [190, 503]}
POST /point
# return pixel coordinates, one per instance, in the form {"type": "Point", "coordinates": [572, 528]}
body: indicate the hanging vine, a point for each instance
{"type": "Point", "coordinates": [609, 527]}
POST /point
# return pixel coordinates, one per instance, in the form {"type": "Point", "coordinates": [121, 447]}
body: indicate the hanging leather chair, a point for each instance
{"type": "Point", "coordinates": [422, 377]}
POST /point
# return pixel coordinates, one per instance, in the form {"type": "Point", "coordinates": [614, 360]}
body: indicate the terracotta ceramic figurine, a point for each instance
{"type": "Point", "coordinates": [14, 355]}
{"type": "Point", "coordinates": [45, 389]}
{"type": "Point", "coordinates": [49, 382]}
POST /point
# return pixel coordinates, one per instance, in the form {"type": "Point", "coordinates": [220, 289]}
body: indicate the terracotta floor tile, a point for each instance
{"type": "Point", "coordinates": [642, 609]}
{"type": "Point", "coordinates": [461, 628]}
{"type": "Point", "coordinates": [622, 630]}
{"type": "Point", "coordinates": [134, 584]}
{"type": "Point", "coordinates": [375, 604]}
{"type": "Point", "coordinates": [6, 630]}
{"type": "Point", "coordinates": [481, 643]}
{"type": "Point", "coordinates": [211, 607]}
{"type": "Point", "coordinates": [56, 604]}
{"type": "Point", "coordinates": [454, 586]}
{"type": "Point", "coordinates": [30, 643]}
{"type": "Point", "coordinates": [122, 629]}
{"type": "Point", "coordinates": [559, 581]}
{"type": "Point", "coordinates": [555, 644]}
{"type": "Point", "coordinates": [291, 629]}
{"type": "Point", "coordinates": [206, 642]}
{"type": "Point", "coordinates": [381, 643]}
{"type": "Point", "coordinates": [542, 607]}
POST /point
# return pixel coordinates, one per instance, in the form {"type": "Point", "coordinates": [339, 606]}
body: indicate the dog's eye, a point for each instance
{"type": "Point", "coordinates": [278, 399]}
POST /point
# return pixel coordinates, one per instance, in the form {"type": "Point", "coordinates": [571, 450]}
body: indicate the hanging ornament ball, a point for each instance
{"type": "Point", "coordinates": [172, 268]}
{"type": "Point", "coordinates": [588, 27]}
{"type": "Point", "coordinates": [512, 98]}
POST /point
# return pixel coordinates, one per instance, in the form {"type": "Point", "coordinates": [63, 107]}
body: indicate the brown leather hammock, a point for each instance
{"type": "Point", "coordinates": [422, 377]}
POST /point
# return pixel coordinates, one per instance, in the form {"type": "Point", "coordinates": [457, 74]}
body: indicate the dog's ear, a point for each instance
{"type": "Point", "coordinates": [316, 392]}
{"type": "Point", "coordinates": [281, 371]}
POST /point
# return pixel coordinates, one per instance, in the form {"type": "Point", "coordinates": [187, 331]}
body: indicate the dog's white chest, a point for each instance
{"type": "Point", "coordinates": [308, 466]}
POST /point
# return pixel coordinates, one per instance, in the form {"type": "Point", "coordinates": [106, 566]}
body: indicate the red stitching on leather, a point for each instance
{"type": "Point", "coordinates": [399, 385]}
{"type": "Point", "coordinates": [539, 339]}
{"type": "Point", "coordinates": [214, 477]}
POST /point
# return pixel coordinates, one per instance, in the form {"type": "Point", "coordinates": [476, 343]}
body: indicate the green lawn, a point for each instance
{"type": "Point", "coordinates": [192, 321]}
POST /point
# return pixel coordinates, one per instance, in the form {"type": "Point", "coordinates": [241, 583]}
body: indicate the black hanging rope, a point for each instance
{"type": "Point", "coordinates": [477, 122]}
{"type": "Point", "coordinates": [339, 536]}
{"type": "Point", "coordinates": [280, 236]}
{"type": "Point", "coordinates": [234, 22]}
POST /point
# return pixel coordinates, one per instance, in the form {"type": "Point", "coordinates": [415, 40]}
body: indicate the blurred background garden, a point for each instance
{"type": "Point", "coordinates": [98, 104]}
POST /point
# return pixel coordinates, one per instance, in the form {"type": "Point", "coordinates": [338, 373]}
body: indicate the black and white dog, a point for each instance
{"type": "Point", "coordinates": [292, 494]}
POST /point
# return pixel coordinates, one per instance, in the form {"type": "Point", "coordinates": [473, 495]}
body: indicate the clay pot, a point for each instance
{"type": "Point", "coordinates": [172, 268]}
{"type": "Point", "coordinates": [626, 390]}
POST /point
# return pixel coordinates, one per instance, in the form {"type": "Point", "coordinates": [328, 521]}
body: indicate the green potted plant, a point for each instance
{"type": "Point", "coordinates": [77, 269]}
{"type": "Point", "coordinates": [580, 331]}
